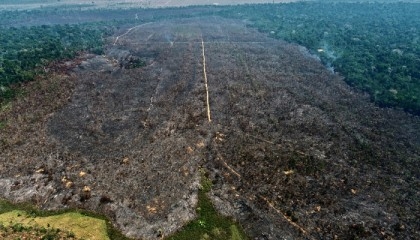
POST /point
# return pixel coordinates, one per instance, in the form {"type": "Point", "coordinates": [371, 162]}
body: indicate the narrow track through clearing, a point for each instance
{"type": "Point", "coordinates": [205, 80]}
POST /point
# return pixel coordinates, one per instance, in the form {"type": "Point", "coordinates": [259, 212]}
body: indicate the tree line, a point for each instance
{"type": "Point", "coordinates": [375, 46]}
{"type": "Point", "coordinates": [24, 51]}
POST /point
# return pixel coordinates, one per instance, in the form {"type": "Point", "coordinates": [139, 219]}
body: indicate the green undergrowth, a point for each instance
{"type": "Point", "coordinates": [13, 230]}
{"type": "Point", "coordinates": [209, 223]}
{"type": "Point", "coordinates": [2, 124]}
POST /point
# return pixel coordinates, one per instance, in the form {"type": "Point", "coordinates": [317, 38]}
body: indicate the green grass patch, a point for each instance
{"type": "Point", "coordinates": [82, 223]}
{"type": "Point", "coordinates": [209, 224]}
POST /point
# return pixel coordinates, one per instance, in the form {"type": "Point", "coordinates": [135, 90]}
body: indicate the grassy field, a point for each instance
{"type": "Point", "coordinates": [69, 225]}
{"type": "Point", "coordinates": [23, 221]}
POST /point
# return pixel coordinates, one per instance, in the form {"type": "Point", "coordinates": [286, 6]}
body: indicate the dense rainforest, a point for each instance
{"type": "Point", "coordinates": [25, 50]}
{"type": "Point", "coordinates": [374, 46]}
{"type": "Point", "coordinates": [32, 39]}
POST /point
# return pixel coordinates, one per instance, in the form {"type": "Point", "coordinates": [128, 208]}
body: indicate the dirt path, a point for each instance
{"type": "Point", "coordinates": [205, 81]}
{"type": "Point", "coordinates": [128, 31]}
{"type": "Point", "coordinates": [292, 152]}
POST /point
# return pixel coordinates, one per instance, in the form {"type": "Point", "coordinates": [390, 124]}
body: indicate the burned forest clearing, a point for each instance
{"type": "Point", "coordinates": [291, 151]}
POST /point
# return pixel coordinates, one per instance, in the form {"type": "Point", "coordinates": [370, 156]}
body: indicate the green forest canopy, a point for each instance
{"type": "Point", "coordinates": [25, 50]}
{"type": "Point", "coordinates": [375, 46]}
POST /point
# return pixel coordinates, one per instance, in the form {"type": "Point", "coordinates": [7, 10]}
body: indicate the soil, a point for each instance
{"type": "Point", "coordinates": [293, 152]}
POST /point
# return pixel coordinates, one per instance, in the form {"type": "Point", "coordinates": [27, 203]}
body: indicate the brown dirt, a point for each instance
{"type": "Point", "coordinates": [292, 151]}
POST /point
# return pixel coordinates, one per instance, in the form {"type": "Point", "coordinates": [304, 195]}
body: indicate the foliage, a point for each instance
{"type": "Point", "coordinates": [29, 42]}
{"type": "Point", "coordinates": [20, 231]}
{"type": "Point", "coordinates": [379, 55]}
{"type": "Point", "coordinates": [209, 223]}
{"type": "Point", "coordinates": [25, 51]}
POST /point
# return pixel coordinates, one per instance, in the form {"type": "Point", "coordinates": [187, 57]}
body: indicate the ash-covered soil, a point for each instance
{"type": "Point", "coordinates": [293, 152]}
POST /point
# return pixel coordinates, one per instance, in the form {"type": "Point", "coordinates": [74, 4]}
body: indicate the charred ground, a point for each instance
{"type": "Point", "coordinates": [292, 151]}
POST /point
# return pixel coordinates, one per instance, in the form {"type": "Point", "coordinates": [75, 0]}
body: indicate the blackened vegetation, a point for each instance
{"type": "Point", "coordinates": [33, 40]}
{"type": "Point", "coordinates": [132, 62]}
{"type": "Point", "coordinates": [296, 135]}
{"type": "Point", "coordinates": [378, 55]}
{"type": "Point", "coordinates": [291, 150]}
